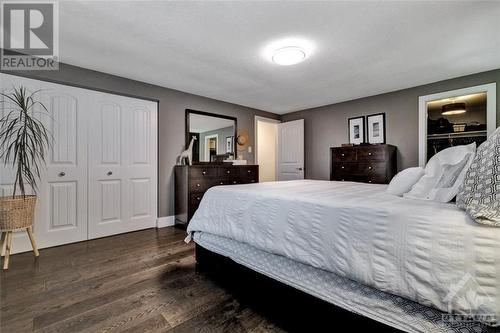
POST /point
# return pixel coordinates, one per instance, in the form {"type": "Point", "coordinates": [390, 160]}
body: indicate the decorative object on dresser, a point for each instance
{"type": "Point", "coordinates": [356, 130]}
{"type": "Point", "coordinates": [375, 124]}
{"type": "Point", "coordinates": [191, 182]}
{"type": "Point", "coordinates": [367, 163]}
{"type": "Point", "coordinates": [187, 154]}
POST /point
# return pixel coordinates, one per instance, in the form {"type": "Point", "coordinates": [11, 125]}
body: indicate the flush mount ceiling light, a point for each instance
{"type": "Point", "coordinates": [453, 108]}
{"type": "Point", "coordinates": [288, 51]}
{"type": "Point", "coordinates": [288, 55]}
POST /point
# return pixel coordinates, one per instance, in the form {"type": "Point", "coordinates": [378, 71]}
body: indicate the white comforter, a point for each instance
{"type": "Point", "coordinates": [425, 251]}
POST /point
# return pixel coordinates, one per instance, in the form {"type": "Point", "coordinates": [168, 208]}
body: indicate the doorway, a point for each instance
{"type": "Point", "coordinates": [266, 137]}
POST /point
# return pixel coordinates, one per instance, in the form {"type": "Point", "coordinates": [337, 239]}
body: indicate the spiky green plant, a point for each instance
{"type": "Point", "coordinates": [24, 140]}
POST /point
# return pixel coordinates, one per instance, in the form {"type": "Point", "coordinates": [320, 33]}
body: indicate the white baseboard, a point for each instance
{"type": "Point", "coordinates": [165, 221]}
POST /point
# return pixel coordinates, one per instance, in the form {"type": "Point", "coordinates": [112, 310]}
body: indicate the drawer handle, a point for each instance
{"type": "Point", "coordinates": [249, 171]}
{"type": "Point", "coordinates": [204, 172]}
{"type": "Point", "coordinates": [343, 154]}
{"type": "Point", "coordinates": [252, 181]}
{"type": "Point", "coordinates": [222, 183]}
{"type": "Point", "coordinates": [198, 198]}
{"type": "Point", "coordinates": [369, 168]}
{"type": "Point", "coordinates": [235, 182]}
{"type": "Point", "coordinates": [62, 174]}
{"type": "Point", "coordinates": [370, 154]}
{"type": "Point", "coordinates": [228, 172]}
{"type": "Point", "coordinates": [110, 173]}
{"type": "Point", "coordinates": [369, 181]}
{"type": "Point", "coordinates": [198, 185]}
{"type": "Point", "coordinates": [342, 167]}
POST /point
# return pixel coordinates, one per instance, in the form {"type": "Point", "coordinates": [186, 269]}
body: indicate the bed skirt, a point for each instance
{"type": "Point", "coordinates": [395, 311]}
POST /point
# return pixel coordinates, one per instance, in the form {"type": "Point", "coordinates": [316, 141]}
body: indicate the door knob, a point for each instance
{"type": "Point", "coordinates": [62, 174]}
{"type": "Point", "coordinates": [110, 173]}
{"type": "Point", "coordinates": [300, 169]}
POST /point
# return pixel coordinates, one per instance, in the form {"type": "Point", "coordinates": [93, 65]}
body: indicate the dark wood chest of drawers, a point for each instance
{"type": "Point", "coordinates": [191, 182]}
{"type": "Point", "coordinates": [367, 164]}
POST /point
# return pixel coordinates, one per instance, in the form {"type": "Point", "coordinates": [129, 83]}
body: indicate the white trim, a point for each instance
{"type": "Point", "coordinates": [491, 112]}
{"type": "Point", "coordinates": [165, 221]}
{"type": "Point", "coordinates": [207, 151]}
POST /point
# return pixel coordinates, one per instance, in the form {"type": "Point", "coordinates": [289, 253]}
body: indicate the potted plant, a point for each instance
{"type": "Point", "coordinates": [24, 141]}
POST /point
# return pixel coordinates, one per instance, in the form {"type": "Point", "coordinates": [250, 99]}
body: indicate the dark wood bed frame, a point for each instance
{"type": "Point", "coordinates": [285, 306]}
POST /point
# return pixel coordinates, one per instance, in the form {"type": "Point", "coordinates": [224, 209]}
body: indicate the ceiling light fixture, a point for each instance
{"type": "Point", "coordinates": [289, 55]}
{"type": "Point", "coordinates": [453, 108]}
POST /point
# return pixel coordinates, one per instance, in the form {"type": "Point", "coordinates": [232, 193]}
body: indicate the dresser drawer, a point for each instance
{"type": "Point", "coordinates": [372, 154]}
{"type": "Point", "coordinates": [228, 172]}
{"type": "Point", "coordinates": [372, 169]}
{"type": "Point", "coordinates": [248, 171]}
{"type": "Point", "coordinates": [195, 199]}
{"type": "Point", "coordinates": [344, 155]}
{"type": "Point", "coordinates": [200, 172]}
{"type": "Point", "coordinates": [201, 185]}
{"type": "Point", "coordinates": [342, 168]}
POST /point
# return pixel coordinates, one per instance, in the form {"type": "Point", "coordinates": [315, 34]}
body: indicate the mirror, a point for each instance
{"type": "Point", "coordinates": [214, 136]}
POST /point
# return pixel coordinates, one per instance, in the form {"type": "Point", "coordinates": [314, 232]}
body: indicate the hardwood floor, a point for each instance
{"type": "Point", "coordinates": [143, 281]}
{"type": "Point", "coordinates": [147, 281]}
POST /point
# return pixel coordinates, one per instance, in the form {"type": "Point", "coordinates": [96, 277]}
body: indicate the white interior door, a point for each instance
{"type": "Point", "coordinates": [122, 165]}
{"type": "Point", "coordinates": [291, 150]}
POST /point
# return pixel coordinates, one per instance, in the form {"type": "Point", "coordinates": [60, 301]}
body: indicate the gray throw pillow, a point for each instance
{"type": "Point", "coordinates": [479, 194]}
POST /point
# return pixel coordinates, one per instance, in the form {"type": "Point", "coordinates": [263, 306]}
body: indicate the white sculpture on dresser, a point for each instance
{"type": "Point", "coordinates": [187, 154]}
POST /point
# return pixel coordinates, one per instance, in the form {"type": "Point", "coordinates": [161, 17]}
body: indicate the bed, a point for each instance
{"type": "Point", "coordinates": [415, 260]}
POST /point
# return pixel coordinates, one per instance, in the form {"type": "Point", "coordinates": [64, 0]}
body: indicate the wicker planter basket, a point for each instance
{"type": "Point", "coordinates": [17, 212]}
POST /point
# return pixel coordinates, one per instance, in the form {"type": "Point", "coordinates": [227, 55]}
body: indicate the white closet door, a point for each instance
{"type": "Point", "coordinates": [122, 165]}
{"type": "Point", "coordinates": [63, 194]}
{"type": "Point", "coordinates": [61, 213]}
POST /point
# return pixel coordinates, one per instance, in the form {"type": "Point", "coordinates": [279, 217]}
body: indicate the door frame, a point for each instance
{"type": "Point", "coordinates": [491, 105]}
{"type": "Point", "coordinates": [256, 136]}
{"type": "Point", "coordinates": [206, 152]}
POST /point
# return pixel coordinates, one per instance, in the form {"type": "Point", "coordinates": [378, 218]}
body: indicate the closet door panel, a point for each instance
{"type": "Point", "coordinates": [64, 199]}
{"type": "Point", "coordinates": [121, 168]}
{"type": "Point", "coordinates": [141, 160]}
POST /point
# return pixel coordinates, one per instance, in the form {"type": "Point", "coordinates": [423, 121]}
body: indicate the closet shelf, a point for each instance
{"type": "Point", "coordinates": [456, 135]}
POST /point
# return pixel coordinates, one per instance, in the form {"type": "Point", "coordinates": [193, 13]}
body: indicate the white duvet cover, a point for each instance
{"type": "Point", "coordinates": [429, 252]}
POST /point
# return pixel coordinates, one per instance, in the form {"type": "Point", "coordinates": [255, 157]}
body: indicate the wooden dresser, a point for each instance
{"type": "Point", "coordinates": [191, 182]}
{"type": "Point", "coordinates": [366, 163]}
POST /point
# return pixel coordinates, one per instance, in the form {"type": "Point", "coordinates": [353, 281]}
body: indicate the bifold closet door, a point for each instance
{"type": "Point", "coordinates": [122, 165]}
{"type": "Point", "coordinates": [61, 213]}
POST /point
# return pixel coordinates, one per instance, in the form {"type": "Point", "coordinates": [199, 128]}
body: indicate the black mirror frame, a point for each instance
{"type": "Point", "coordinates": [203, 113]}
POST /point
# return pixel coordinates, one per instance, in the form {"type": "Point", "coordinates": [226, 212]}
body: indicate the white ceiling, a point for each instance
{"type": "Point", "coordinates": [214, 49]}
{"type": "Point", "coordinates": [199, 123]}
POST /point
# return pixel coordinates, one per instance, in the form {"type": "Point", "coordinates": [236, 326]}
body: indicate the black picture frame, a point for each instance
{"type": "Point", "coordinates": [361, 131]}
{"type": "Point", "coordinates": [382, 129]}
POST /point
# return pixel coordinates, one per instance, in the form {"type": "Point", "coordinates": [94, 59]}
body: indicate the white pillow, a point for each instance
{"type": "Point", "coordinates": [444, 173]}
{"type": "Point", "coordinates": [404, 180]}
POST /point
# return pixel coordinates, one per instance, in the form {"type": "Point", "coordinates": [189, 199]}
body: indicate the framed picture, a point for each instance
{"type": "Point", "coordinates": [229, 144]}
{"type": "Point", "coordinates": [356, 130]}
{"type": "Point", "coordinates": [376, 128]}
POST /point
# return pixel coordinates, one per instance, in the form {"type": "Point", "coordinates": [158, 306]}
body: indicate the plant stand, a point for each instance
{"type": "Point", "coordinates": [6, 245]}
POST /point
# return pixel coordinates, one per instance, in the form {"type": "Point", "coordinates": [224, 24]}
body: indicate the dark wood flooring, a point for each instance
{"type": "Point", "coordinates": [147, 281]}
{"type": "Point", "coordinates": [143, 281]}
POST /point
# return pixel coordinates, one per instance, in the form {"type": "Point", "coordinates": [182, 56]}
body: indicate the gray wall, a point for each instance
{"type": "Point", "coordinates": [171, 118]}
{"type": "Point", "coordinates": [221, 143]}
{"type": "Point", "coordinates": [326, 126]}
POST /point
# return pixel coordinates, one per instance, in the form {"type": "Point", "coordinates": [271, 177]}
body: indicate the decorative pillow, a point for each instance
{"type": "Point", "coordinates": [444, 173]}
{"type": "Point", "coordinates": [479, 194]}
{"type": "Point", "coordinates": [404, 180]}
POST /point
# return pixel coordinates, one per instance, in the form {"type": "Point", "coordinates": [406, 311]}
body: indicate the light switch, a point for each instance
{"type": "Point", "coordinates": [250, 149]}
